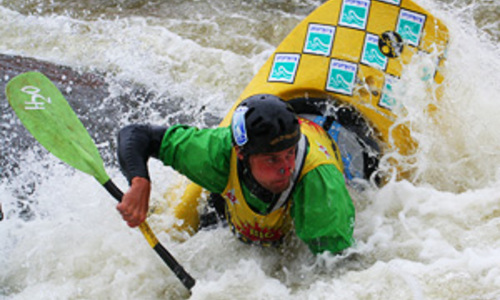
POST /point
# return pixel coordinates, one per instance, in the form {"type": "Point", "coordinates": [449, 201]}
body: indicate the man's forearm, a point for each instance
{"type": "Point", "coordinates": [136, 144]}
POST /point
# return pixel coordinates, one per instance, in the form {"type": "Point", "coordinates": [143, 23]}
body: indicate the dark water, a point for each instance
{"type": "Point", "coordinates": [88, 95]}
{"type": "Point", "coordinates": [88, 91]}
{"type": "Point", "coordinates": [485, 13]}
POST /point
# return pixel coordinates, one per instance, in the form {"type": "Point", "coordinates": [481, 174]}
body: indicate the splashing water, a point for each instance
{"type": "Point", "coordinates": [433, 236]}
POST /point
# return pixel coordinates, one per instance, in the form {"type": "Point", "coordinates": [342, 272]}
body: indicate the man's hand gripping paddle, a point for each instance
{"type": "Point", "coordinates": [47, 115]}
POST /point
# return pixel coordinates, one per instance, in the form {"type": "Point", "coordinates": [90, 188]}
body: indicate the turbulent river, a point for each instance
{"type": "Point", "coordinates": [434, 235]}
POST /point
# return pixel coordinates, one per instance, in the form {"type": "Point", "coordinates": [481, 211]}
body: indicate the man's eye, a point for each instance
{"type": "Point", "coordinates": [272, 160]}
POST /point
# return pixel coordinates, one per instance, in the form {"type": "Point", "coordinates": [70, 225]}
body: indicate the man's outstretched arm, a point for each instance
{"type": "Point", "coordinates": [136, 144]}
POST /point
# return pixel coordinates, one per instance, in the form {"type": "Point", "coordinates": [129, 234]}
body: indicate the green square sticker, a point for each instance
{"type": "Point", "coordinates": [354, 13]}
{"type": "Point", "coordinates": [341, 77]}
{"type": "Point", "coordinates": [372, 56]}
{"type": "Point", "coordinates": [319, 39]}
{"type": "Point", "coordinates": [388, 99]}
{"type": "Point", "coordinates": [284, 68]}
{"type": "Point", "coordinates": [410, 26]}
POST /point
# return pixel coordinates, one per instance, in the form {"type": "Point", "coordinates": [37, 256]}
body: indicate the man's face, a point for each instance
{"type": "Point", "coordinates": [273, 170]}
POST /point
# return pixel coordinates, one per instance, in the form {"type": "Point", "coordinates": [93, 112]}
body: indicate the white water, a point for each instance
{"type": "Point", "coordinates": [436, 236]}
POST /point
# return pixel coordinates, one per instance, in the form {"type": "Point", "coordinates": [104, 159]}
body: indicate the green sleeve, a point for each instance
{"type": "Point", "coordinates": [323, 211]}
{"type": "Point", "coordinates": [202, 155]}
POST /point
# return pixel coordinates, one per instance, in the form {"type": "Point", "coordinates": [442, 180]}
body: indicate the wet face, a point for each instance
{"type": "Point", "coordinates": [273, 170]}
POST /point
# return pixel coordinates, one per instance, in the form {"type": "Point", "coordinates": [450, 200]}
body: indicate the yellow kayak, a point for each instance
{"type": "Point", "coordinates": [344, 59]}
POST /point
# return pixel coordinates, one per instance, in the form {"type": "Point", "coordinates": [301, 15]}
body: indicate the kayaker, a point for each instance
{"type": "Point", "coordinates": [276, 173]}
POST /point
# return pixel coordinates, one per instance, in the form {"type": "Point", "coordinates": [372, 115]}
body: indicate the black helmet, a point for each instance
{"type": "Point", "coordinates": [264, 124]}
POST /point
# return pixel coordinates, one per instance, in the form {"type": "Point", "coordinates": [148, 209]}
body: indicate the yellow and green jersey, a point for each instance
{"type": "Point", "coordinates": [319, 209]}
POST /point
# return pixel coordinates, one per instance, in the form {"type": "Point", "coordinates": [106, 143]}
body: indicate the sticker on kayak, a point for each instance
{"type": "Point", "coordinates": [395, 2]}
{"type": "Point", "coordinates": [284, 68]}
{"type": "Point", "coordinates": [341, 77]}
{"type": "Point", "coordinates": [354, 13]}
{"type": "Point", "coordinates": [410, 26]}
{"type": "Point", "coordinates": [372, 56]}
{"type": "Point", "coordinates": [319, 39]}
{"type": "Point", "coordinates": [238, 126]}
{"type": "Point", "coordinates": [388, 100]}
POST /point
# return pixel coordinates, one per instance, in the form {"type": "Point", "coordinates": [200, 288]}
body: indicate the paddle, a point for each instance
{"type": "Point", "coordinates": [47, 115]}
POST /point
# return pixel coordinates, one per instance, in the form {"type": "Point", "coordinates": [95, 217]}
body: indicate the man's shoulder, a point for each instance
{"type": "Point", "coordinates": [217, 132]}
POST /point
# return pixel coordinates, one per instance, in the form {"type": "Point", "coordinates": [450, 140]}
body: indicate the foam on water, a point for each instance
{"type": "Point", "coordinates": [434, 236]}
{"type": "Point", "coordinates": [459, 144]}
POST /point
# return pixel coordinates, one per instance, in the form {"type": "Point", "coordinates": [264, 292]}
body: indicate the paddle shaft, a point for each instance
{"type": "Point", "coordinates": [183, 276]}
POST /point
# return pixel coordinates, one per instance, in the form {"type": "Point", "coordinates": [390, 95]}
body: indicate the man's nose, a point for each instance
{"type": "Point", "coordinates": [287, 168]}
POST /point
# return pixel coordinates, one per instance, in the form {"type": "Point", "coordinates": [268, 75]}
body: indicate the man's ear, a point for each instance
{"type": "Point", "coordinates": [239, 153]}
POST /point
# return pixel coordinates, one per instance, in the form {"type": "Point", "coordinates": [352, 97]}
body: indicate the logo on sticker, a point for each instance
{"type": "Point", "coordinates": [341, 77]}
{"type": "Point", "coordinates": [388, 100]}
{"type": "Point", "coordinates": [324, 150]}
{"type": "Point", "coordinates": [319, 39]}
{"type": "Point", "coordinates": [395, 2]}
{"type": "Point", "coordinates": [354, 13]}
{"type": "Point", "coordinates": [372, 56]}
{"type": "Point", "coordinates": [284, 68]}
{"type": "Point", "coordinates": [231, 196]}
{"type": "Point", "coordinates": [238, 126]}
{"type": "Point", "coordinates": [410, 26]}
